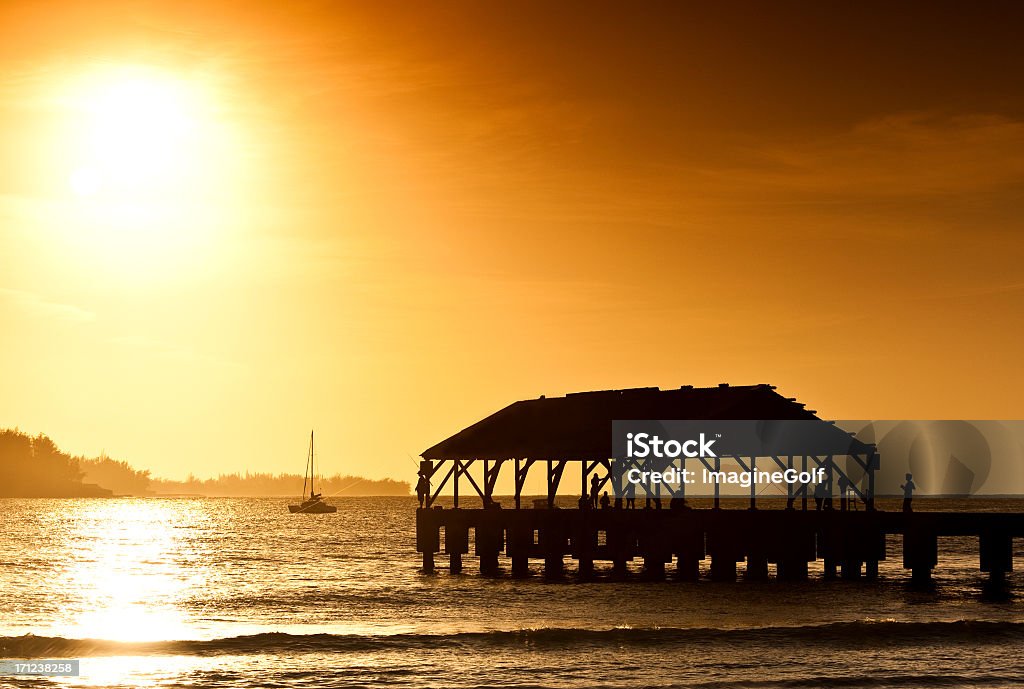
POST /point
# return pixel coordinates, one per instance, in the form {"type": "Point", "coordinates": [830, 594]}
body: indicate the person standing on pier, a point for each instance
{"type": "Point", "coordinates": [908, 493]}
{"type": "Point", "coordinates": [820, 493]}
{"type": "Point", "coordinates": [595, 490]}
{"type": "Point", "coordinates": [630, 493]}
{"type": "Point", "coordinates": [422, 488]}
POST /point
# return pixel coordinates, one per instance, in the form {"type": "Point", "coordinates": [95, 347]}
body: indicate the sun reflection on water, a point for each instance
{"type": "Point", "coordinates": [129, 569]}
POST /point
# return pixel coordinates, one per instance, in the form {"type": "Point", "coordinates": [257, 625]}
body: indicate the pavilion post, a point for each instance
{"type": "Point", "coordinates": [455, 483]}
{"type": "Point", "coordinates": [584, 475]}
{"type": "Point", "coordinates": [753, 484]}
{"type": "Point", "coordinates": [789, 486]}
{"type": "Point", "coordinates": [718, 488]}
{"type": "Point", "coordinates": [803, 500]}
{"type": "Point", "coordinates": [487, 485]}
{"type": "Point", "coordinates": [551, 496]}
{"type": "Point", "coordinates": [519, 485]}
{"type": "Point", "coordinates": [828, 473]}
{"type": "Point", "coordinates": [872, 463]}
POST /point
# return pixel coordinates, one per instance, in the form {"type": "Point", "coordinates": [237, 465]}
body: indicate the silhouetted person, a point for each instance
{"type": "Point", "coordinates": [819, 496]}
{"type": "Point", "coordinates": [595, 489]}
{"type": "Point", "coordinates": [803, 492]}
{"type": "Point", "coordinates": [422, 488]}
{"type": "Point", "coordinates": [606, 502]}
{"type": "Point", "coordinates": [842, 493]}
{"type": "Point", "coordinates": [630, 490]}
{"type": "Point", "coordinates": [791, 500]}
{"type": "Point", "coordinates": [908, 493]}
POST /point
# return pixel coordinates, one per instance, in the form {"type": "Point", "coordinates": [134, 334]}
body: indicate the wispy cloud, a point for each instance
{"type": "Point", "coordinates": [37, 305]}
{"type": "Point", "coordinates": [906, 154]}
{"type": "Point", "coordinates": [173, 352]}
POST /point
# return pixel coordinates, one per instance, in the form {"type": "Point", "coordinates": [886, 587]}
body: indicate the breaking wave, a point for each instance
{"type": "Point", "coordinates": [846, 634]}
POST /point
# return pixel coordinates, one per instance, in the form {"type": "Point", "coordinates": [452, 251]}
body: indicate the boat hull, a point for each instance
{"type": "Point", "coordinates": [317, 507]}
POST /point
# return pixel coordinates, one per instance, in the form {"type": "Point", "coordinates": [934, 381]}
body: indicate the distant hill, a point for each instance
{"type": "Point", "coordinates": [34, 467]}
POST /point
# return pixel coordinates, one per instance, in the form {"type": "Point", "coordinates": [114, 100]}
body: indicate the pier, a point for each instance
{"type": "Point", "coordinates": [848, 534]}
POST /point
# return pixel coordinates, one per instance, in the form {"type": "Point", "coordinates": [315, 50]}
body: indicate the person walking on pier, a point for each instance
{"type": "Point", "coordinates": [908, 493]}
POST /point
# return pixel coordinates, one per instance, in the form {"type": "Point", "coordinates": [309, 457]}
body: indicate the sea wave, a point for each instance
{"type": "Point", "coordinates": [846, 634]}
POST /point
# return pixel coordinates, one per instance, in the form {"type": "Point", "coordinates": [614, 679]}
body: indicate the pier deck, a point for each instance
{"type": "Point", "coordinates": [851, 543]}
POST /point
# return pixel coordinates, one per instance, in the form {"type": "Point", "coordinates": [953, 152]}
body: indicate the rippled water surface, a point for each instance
{"type": "Point", "coordinates": [237, 592]}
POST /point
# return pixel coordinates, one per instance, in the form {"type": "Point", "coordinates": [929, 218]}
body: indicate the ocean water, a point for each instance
{"type": "Point", "coordinates": [228, 592]}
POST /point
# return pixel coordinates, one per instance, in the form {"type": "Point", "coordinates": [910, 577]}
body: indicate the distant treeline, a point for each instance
{"type": "Point", "coordinates": [278, 485]}
{"type": "Point", "coordinates": [33, 466]}
{"type": "Point", "coordinates": [117, 476]}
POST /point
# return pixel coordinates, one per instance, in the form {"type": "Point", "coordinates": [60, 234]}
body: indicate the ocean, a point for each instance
{"type": "Point", "coordinates": [224, 592]}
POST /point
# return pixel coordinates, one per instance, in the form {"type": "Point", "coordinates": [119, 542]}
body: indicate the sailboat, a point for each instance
{"type": "Point", "coordinates": [314, 504]}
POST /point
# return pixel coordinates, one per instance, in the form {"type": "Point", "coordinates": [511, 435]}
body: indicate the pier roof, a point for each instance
{"type": "Point", "coordinates": [579, 425]}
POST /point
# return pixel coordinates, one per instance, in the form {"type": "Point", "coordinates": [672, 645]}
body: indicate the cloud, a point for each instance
{"type": "Point", "coordinates": [908, 154]}
{"type": "Point", "coordinates": [173, 352]}
{"type": "Point", "coordinates": [39, 306]}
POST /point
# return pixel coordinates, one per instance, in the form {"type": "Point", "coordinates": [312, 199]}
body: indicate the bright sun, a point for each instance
{"type": "Point", "coordinates": [138, 133]}
{"type": "Point", "coordinates": [147, 163]}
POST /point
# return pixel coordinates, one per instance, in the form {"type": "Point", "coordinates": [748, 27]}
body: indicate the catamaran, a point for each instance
{"type": "Point", "coordinates": [314, 504]}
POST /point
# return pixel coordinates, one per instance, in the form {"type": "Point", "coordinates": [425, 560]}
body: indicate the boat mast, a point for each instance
{"type": "Point", "coordinates": [305, 474]}
{"type": "Point", "coordinates": [311, 465]}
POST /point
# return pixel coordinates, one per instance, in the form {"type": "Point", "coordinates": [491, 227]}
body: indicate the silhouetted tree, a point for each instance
{"type": "Point", "coordinates": [36, 467]}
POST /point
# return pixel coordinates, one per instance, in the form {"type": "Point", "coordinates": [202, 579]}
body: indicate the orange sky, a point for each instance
{"type": "Point", "coordinates": [222, 223]}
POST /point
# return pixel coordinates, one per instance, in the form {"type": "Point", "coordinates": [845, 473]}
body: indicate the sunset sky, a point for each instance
{"type": "Point", "coordinates": [223, 223]}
